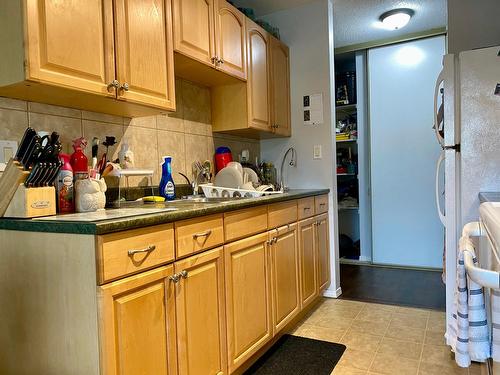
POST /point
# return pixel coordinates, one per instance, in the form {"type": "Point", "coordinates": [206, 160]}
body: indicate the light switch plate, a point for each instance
{"type": "Point", "coordinates": [7, 150]}
{"type": "Point", "coordinates": [317, 152]}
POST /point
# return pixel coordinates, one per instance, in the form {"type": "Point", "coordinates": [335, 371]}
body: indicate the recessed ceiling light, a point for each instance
{"type": "Point", "coordinates": [397, 18]}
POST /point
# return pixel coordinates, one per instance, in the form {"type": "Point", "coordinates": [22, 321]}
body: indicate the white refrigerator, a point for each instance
{"type": "Point", "coordinates": [468, 89]}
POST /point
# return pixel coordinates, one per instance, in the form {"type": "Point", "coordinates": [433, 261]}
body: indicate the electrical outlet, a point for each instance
{"type": "Point", "coordinates": [317, 152]}
{"type": "Point", "coordinates": [7, 150]}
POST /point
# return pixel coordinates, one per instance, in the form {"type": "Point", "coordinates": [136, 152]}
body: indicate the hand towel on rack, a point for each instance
{"type": "Point", "coordinates": [469, 328]}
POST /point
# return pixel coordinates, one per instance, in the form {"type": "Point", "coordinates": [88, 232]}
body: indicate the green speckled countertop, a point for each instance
{"type": "Point", "coordinates": [159, 215]}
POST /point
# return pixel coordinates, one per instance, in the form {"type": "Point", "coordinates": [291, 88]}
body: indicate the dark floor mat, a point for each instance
{"type": "Point", "coordinates": [294, 355]}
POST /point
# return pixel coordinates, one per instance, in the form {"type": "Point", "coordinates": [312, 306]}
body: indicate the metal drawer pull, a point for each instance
{"type": "Point", "coordinates": [184, 274]}
{"type": "Point", "coordinates": [146, 250]}
{"type": "Point", "coordinates": [307, 208]}
{"type": "Point", "coordinates": [321, 222]}
{"type": "Point", "coordinates": [175, 278]}
{"type": "Point", "coordinates": [322, 204]}
{"type": "Point", "coordinates": [204, 234]}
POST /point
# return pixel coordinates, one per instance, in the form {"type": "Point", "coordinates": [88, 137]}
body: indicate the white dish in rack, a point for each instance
{"type": "Point", "coordinates": [212, 191]}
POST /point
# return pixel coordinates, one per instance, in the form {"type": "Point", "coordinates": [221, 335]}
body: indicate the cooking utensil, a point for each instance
{"type": "Point", "coordinates": [95, 149]}
{"type": "Point", "coordinates": [28, 135]}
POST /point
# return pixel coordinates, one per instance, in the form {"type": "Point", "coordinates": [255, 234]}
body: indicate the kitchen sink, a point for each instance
{"type": "Point", "coordinates": [203, 199]}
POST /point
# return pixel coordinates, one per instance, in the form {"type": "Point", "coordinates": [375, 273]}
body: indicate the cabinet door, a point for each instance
{"type": "Point", "coordinates": [285, 275]}
{"type": "Point", "coordinates": [137, 325]}
{"type": "Point", "coordinates": [144, 52]}
{"type": "Point", "coordinates": [248, 300]}
{"type": "Point", "coordinates": [201, 335]}
{"type": "Point", "coordinates": [323, 251]}
{"type": "Point", "coordinates": [231, 40]}
{"type": "Point", "coordinates": [194, 30]}
{"type": "Point", "coordinates": [61, 34]}
{"type": "Point", "coordinates": [280, 87]}
{"type": "Point", "coordinates": [259, 115]}
{"type": "Point", "coordinates": [308, 259]}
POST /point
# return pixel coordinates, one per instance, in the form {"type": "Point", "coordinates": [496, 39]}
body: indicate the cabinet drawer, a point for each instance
{"type": "Point", "coordinates": [130, 251]}
{"type": "Point", "coordinates": [244, 223]}
{"type": "Point", "coordinates": [282, 213]}
{"type": "Point", "coordinates": [321, 204]}
{"type": "Point", "coordinates": [305, 208]}
{"type": "Point", "coordinates": [198, 234]}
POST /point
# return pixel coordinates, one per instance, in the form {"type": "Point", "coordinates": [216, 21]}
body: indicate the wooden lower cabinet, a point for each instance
{"type": "Point", "coordinates": [308, 261]}
{"type": "Point", "coordinates": [248, 298]}
{"type": "Point", "coordinates": [137, 324]}
{"type": "Point", "coordinates": [201, 331]}
{"type": "Point", "coordinates": [284, 275]}
{"type": "Point", "coordinates": [323, 251]}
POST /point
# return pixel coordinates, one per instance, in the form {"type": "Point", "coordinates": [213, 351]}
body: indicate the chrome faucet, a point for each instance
{"type": "Point", "coordinates": [293, 163]}
{"type": "Point", "coordinates": [199, 170]}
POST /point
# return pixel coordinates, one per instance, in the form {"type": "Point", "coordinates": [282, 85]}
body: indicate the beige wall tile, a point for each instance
{"type": "Point", "coordinates": [143, 142]}
{"type": "Point", "coordinates": [100, 130]}
{"type": "Point", "coordinates": [12, 124]}
{"type": "Point", "coordinates": [68, 128]}
{"type": "Point", "coordinates": [193, 127]}
{"type": "Point", "coordinates": [54, 110]}
{"type": "Point", "coordinates": [211, 151]}
{"type": "Point", "coordinates": [102, 117]}
{"type": "Point", "coordinates": [9, 103]}
{"type": "Point", "coordinates": [172, 144]}
{"type": "Point", "coordinates": [170, 123]}
{"type": "Point", "coordinates": [196, 149]}
{"type": "Point", "coordinates": [196, 103]}
{"type": "Point", "coordinates": [143, 122]}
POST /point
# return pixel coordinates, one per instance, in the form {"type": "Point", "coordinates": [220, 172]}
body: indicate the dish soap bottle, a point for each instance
{"type": "Point", "coordinates": [167, 186]}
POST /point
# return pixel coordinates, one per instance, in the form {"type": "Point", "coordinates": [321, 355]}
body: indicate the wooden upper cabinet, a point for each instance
{"type": "Point", "coordinates": [259, 113]}
{"type": "Point", "coordinates": [194, 33]}
{"type": "Point", "coordinates": [285, 275]}
{"type": "Point", "coordinates": [248, 299]}
{"type": "Point", "coordinates": [201, 333]}
{"type": "Point", "coordinates": [231, 40]}
{"type": "Point", "coordinates": [137, 325]}
{"type": "Point", "coordinates": [280, 87]}
{"type": "Point", "coordinates": [144, 52]}
{"type": "Point", "coordinates": [70, 43]}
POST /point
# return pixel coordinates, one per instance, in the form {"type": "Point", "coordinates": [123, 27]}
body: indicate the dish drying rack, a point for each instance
{"type": "Point", "coordinates": [212, 191]}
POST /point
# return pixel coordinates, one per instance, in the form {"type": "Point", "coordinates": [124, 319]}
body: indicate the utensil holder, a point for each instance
{"type": "Point", "coordinates": [18, 201]}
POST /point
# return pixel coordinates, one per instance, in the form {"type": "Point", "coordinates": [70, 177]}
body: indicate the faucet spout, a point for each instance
{"type": "Point", "coordinates": [292, 163]}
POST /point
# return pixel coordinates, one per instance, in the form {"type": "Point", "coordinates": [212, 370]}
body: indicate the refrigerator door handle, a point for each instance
{"type": "Point", "coordinates": [439, 80]}
{"type": "Point", "coordinates": [440, 161]}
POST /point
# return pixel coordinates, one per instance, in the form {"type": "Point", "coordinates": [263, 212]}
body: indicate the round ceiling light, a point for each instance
{"type": "Point", "coordinates": [397, 18]}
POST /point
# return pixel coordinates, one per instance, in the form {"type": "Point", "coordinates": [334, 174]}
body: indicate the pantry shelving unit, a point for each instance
{"type": "Point", "coordinates": [355, 220]}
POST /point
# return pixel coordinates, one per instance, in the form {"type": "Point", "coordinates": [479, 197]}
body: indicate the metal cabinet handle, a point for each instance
{"type": "Point", "coordinates": [322, 204]}
{"type": "Point", "coordinates": [220, 61]}
{"type": "Point", "coordinates": [215, 59]}
{"type": "Point", "coordinates": [204, 234]}
{"type": "Point", "coordinates": [146, 250]}
{"type": "Point", "coordinates": [184, 274]}
{"type": "Point", "coordinates": [124, 87]}
{"type": "Point", "coordinates": [175, 278]}
{"type": "Point", "coordinates": [307, 208]}
{"type": "Point", "coordinates": [114, 84]}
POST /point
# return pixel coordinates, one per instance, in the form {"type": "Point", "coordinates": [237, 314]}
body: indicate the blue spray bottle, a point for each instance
{"type": "Point", "coordinates": [167, 187]}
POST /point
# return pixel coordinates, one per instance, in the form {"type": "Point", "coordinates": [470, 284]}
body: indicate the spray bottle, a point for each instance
{"type": "Point", "coordinates": [64, 186]}
{"type": "Point", "coordinates": [167, 186]}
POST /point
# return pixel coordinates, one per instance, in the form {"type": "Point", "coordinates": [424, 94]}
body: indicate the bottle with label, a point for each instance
{"type": "Point", "coordinates": [167, 186]}
{"type": "Point", "coordinates": [78, 160]}
{"type": "Point", "coordinates": [64, 186]}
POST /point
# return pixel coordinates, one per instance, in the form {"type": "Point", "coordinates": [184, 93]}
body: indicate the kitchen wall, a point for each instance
{"type": "Point", "coordinates": [473, 24]}
{"type": "Point", "coordinates": [308, 31]}
{"type": "Point", "coordinates": [186, 135]}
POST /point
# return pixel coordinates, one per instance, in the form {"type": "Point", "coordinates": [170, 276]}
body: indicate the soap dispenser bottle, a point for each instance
{"type": "Point", "coordinates": [167, 186]}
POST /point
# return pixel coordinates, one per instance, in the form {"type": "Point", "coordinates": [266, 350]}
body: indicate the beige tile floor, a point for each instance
{"type": "Point", "coordinates": [383, 339]}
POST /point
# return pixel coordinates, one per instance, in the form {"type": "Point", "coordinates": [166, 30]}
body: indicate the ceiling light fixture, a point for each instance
{"type": "Point", "coordinates": [397, 18]}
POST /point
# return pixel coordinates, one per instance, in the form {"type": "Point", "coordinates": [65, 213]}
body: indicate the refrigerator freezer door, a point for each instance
{"type": "Point", "coordinates": [441, 213]}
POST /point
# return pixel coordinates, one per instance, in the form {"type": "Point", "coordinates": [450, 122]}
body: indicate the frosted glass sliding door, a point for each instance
{"type": "Point", "coordinates": [401, 78]}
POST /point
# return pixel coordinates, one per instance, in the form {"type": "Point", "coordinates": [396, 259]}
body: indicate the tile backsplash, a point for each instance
{"type": "Point", "coordinates": [186, 134]}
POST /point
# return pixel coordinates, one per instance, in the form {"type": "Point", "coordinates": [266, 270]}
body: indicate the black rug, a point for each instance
{"type": "Point", "coordinates": [294, 355]}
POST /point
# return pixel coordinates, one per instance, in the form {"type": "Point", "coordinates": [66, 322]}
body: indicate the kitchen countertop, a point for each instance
{"type": "Point", "coordinates": [489, 197]}
{"type": "Point", "coordinates": [114, 220]}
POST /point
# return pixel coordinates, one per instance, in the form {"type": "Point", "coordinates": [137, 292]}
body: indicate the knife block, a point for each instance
{"type": "Point", "coordinates": [18, 201]}
{"type": "Point", "coordinates": [32, 202]}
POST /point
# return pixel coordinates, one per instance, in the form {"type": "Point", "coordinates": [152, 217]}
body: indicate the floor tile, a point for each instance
{"type": "Point", "coordinates": [434, 338]}
{"type": "Point", "coordinates": [402, 332]}
{"type": "Point", "coordinates": [357, 359]}
{"type": "Point", "coordinates": [433, 369]}
{"type": "Point", "coordinates": [320, 333]}
{"type": "Point", "coordinates": [410, 320]}
{"type": "Point", "coordinates": [341, 370]}
{"type": "Point", "coordinates": [436, 323]}
{"type": "Point", "coordinates": [399, 348]}
{"type": "Point", "coordinates": [363, 342]}
{"type": "Point", "coordinates": [475, 368]}
{"type": "Point", "coordinates": [372, 328]}
{"type": "Point", "coordinates": [392, 365]}
{"type": "Point", "coordinates": [438, 355]}
{"type": "Point", "coordinates": [374, 315]}
{"type": "Point", "coordinates": [412, 311]}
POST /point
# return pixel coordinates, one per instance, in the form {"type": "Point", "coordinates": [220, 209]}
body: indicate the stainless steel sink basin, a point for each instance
{"type": "Point", "coordinates": [203, 199]}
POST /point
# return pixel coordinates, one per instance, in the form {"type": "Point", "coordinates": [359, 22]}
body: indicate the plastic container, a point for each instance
{"type": "Point", "coordinates": [78, 160]}
{"type": "Point", "coordinates": [223, 157]}
{"type": "Point", "coordinates": [167, 186]}
{"type": "Point", "coordinates": [65, 187]}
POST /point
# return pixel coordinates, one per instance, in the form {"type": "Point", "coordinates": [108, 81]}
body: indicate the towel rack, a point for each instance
{"type": "Point", "coordinates": [485, 278]}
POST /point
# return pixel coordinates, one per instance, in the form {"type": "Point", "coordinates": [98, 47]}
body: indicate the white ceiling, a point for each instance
{"type": "Point", "coordinates": [356, 21]}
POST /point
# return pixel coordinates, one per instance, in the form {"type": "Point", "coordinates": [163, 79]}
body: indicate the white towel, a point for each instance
{"type": "Point", "coordinates": [468, 333]}
{"type": "Point", "coordinates": [495, 317]}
